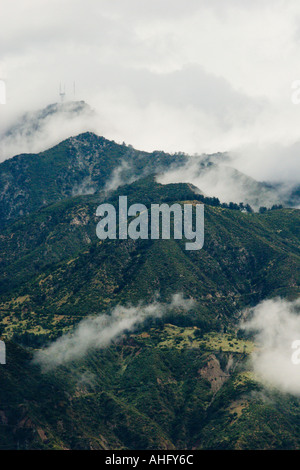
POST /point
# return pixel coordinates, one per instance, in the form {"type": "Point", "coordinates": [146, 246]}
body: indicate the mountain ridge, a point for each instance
{"type": "Point", "coordinates": [44, 258]}
{"type": "Point", "coordinates": [182, 380]}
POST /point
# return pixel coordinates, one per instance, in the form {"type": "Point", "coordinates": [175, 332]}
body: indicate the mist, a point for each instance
{"type": "Point", "coordinates": [40, 130]}
{"type": "Point", "coordinates": [275, 324]}
{"type": "Point", "coordinates": [100, 331]}
{"type": "Point", "coordinates": [120, 176]}
{"type": "Point", "coordinates": [218, 179]}
{"type": "Point", "coordinates": [160, 76]}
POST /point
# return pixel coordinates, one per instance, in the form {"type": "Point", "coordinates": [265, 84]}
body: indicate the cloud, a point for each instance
{"type": "Point", "coordinates": [269, 162]}
{"type": "Point", "coordinates": [202, 79]}
{"type": "Point", "coordinates": [36, 131]}
{"type": "Point", "coordinates": [276, 326]}
{"type": "Point", "coordinates": [100, 331]}
{"type": "Point", "coordinates": [119, 177]}
{"type": "Point", "coordinates": [215, 178]}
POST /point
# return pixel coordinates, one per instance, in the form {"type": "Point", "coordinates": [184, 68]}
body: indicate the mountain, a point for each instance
{"type": "Point", "coordinates": [86, 164]}
{"type": "Point", "coordinates": [52, 263]}
{"type": "Point", "coordinates": [79, 165]}
{"type": "Point", "coordinates": [166, 388]}
{"type": "Point", "coordinates": [216, 177]}
{"type": "Point", "coordinates": [181, 380]}
{"type": "Point", "coordinates": [38, 130]}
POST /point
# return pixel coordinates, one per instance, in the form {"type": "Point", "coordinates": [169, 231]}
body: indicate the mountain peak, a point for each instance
{"type": "Point", "coordinates": [36, 131]}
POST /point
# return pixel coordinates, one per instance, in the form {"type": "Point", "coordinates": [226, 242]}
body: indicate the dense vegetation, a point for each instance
{"type": "Point", "coordinates": [181, 381]}
{"type": "Point", "coordinates": [163, 389]}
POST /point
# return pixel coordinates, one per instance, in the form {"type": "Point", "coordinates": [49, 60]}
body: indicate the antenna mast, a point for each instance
{"type": "Point", "coordinates": [62, 94]}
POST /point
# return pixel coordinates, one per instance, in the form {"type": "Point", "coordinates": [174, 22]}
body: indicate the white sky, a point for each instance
{"type": "Point", "coordinates": [194, 76]}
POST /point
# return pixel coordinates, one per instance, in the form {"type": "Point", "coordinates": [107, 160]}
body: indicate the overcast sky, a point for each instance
{"type": "Point", "coordinates": [194, 76]}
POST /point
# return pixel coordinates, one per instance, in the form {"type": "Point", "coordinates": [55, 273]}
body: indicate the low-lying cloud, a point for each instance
{"type": "Point", "coordinates": [219, 179]}
{"type": "Point", "coordinates": [37, 131]}
{"type": "Point", "coordinates": [204, 79]}
{"type": "Point", "coordinates": [100, 331]}
{"type": "Point", "coordinates": [276, 327]}
{"type": "Point", "coordinates": [119, 177]}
